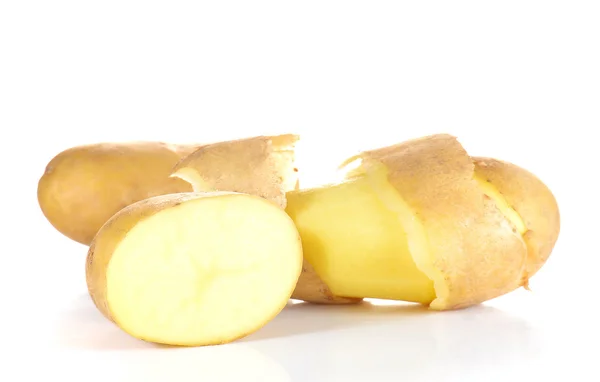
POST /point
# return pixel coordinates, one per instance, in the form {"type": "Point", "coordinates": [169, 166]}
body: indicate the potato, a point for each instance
{"type": "Point", "coordinates": [194, 269]}
{"type": "Point", "coordinates": [84, 186]}
{"type": "Point", "coordinates": [262, 166]}
{"type": "Point", "coordinates": [419, 222]}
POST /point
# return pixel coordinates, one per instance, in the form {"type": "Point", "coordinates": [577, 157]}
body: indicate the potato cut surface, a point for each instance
{"type": "Point", "coordinates": [356, 243]}
{"type": "Point", "coordinates": [206, 271]}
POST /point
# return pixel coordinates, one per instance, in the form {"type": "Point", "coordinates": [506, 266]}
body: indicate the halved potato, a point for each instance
{"type": "Point", "coordinates": [194, 268]}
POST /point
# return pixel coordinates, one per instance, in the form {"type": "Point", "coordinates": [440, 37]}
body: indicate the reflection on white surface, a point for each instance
{"type": "Point", "coordinates": [387, 342]}
{"type": "Point", "coordinates": [233, 362]}
{"type": "Point", "coordinates": [113, 355]}
{"type": "Point", "coordinates": [372, 341]}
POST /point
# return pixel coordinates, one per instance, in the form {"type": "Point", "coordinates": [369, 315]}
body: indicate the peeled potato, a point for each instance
{"type": "Point", "coordinates": [356, 244]}
{"type": "Point", "coordinates": [84, 186]}
{"type": "Point", "coordinates": [194, 269]}
{"type": "Point", "coordinates": [262, 166]}
{"type": "Point", "coordinates": [417, 222]}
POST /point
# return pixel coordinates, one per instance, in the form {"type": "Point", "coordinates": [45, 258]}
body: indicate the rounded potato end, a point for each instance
{"type": "Point", "coordinates": [82, 187]}
{"type": "Point", "coordinates": [532, 200]}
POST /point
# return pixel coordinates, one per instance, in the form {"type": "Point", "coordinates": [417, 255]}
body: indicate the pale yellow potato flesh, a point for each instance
{"type": "Point", "coordinates": [356, 243]}
{"type": "Point", "coordinates": [194, 269]}
{"type": "Point", "coordinates": [311, 288]}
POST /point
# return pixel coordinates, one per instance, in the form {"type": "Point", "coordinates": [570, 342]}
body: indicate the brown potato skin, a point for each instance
{"type": "Point", "coordinates": [475, 251]}
{"type": "Point", "coordinates": [261, 166]}
{"type": "Point", "coordinates": [532, 200]}
{"type": "Point", "coordinates": [82, 187]}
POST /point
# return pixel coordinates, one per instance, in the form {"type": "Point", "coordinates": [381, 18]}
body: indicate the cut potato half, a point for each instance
{"type": "Point", "coordinates": [194, 269]}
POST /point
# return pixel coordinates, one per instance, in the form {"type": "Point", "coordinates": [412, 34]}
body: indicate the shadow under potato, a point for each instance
{"type": "Point", "coordinates": [388, 342]}
{"type": "Point", "coordinates": [378, 340]}
{"type": "Point", "coordinates": [301, 318]}
{"type": "Point", "coordinates": [83, 326]}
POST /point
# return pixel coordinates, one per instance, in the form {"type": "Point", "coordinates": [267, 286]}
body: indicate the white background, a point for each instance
{"type": "Point", "coordinates": [517, 80]}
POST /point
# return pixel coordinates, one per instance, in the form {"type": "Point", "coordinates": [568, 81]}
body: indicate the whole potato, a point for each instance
{"type": "Point", "coordinates": [82, 187]}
